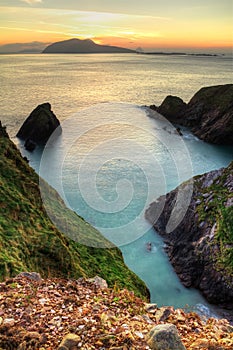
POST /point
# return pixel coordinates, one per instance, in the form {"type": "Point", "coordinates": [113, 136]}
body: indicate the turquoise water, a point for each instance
{"type": "Point", "coordinates": [112, 160]}
{"type": "Point", "coordinates": [109, 170]}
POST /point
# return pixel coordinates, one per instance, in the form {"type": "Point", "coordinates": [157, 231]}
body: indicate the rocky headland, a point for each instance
{"type": "Point", "coordinates": [200, 248]}
{"type": "Point", "coordinates": [209, 113]}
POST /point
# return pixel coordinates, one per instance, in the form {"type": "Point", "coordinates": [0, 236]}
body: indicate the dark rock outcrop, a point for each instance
{"type": "Point", "coordinates": [39, 126]}
{"type": "Point", "coordinates": [209, 113]}
{"type": "Point", "coordinates": [171, 107]}
{"type": "Point", "coordinates": [200, 248]}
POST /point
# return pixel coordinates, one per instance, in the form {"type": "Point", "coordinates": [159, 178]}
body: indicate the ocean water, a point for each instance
{"type": "Point", "coordinates": [73, 82]}
{"type": "Point", "coordinates": [112, 159]}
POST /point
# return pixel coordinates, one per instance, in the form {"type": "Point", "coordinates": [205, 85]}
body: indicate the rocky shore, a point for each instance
{"type": "Point", "coordinates": [201, 247]}
{"type": "Point", "coordinates": [65, 314]}
{"type": "Point", "coordinates": [209, 113]}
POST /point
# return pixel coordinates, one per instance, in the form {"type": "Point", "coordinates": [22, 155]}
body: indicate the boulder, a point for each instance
{"type": "Point", "coordinates": [98, 282]}
{"type": "Point", "coordinates": [69, 342]}
{"type": "Point", "coordinates": [34, 276]}
{"type": "Point", "coordinates": [39, 126]}
{"type": "Point", "coordinates": [165, 337]}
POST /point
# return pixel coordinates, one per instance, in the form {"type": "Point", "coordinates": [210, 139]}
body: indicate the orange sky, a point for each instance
{"type": "Point", "coordinates": [197, 24]}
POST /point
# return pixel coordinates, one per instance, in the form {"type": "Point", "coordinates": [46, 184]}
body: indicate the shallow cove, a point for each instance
{"type": "Point", "coordinates": [110, 162]}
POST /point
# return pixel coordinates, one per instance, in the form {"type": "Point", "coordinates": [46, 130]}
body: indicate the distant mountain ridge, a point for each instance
{"type": "Point", "coordinates": [83, 46]}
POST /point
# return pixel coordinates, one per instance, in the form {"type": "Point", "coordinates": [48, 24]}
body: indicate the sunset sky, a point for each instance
{"type": "Point", "coordinates": [149, 24]}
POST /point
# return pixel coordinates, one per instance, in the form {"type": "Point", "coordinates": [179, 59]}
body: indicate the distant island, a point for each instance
{"type": "Point", "coordinates": [86, 46]}
{"type": "Point", "coordinates": [178, 53]}
{"type": "Point", "coordinates": [83, 46]}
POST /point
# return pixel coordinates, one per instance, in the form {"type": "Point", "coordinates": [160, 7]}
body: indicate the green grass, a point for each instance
{"type": "Point", "coordinates": [217, 212]}
{"type": "Point", "coordinates": [29, 241]}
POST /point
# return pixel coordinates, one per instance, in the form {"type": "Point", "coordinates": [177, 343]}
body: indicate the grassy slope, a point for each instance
{"type": "Point", "coordinates": [30, 241]}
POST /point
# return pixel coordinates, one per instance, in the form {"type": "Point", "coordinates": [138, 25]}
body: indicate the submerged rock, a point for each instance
{"type": "Point", "coordinates": [209, 113]}
{"type": "Point", "coordinates": [39, 126]}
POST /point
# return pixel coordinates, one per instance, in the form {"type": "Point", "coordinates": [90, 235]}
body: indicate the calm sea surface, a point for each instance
{"type": "Point", "coordinates": [112, 159]}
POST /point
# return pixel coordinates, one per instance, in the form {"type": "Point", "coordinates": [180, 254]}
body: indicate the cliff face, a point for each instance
{"type": "Point", "coordinates": [209, 113]}
{"type": "Point", "coordinates": [29, 241]}
{"type": "Point", "coordinates": [201, 247]}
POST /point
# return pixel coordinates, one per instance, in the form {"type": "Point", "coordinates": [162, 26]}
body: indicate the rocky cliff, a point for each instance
{"type": "Point", "coordinates": [209, 113]}
{"type": "Point", "coordinates": [201, 247]}
{"type": "Point", "coordinates": [29, 241]}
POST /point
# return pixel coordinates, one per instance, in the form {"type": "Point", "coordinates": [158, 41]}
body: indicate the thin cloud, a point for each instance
{"type": "Point", "coordinates": [31, 2]}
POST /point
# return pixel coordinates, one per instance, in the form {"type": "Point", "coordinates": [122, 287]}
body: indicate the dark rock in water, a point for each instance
{"type": "Point", "coordinates": [179, 132]}
{"type": "Point", "coordinates": [39, 126]}
{"type": "Point", "coordinates": [200, 248]}
{"type": "Point", "coordinates": [30, 145]}
{"type": "Point", "coordinates": [209, 113]}
{"type": "Point", "coordinates": [172, 107]}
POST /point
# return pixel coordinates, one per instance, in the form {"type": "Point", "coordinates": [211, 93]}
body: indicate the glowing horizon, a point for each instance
{"type": "Point", "coordinates": [190, 26]}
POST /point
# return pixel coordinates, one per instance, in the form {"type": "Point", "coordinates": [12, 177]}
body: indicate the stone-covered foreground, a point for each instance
{"type": "Point", "coordinates": [84, 314]}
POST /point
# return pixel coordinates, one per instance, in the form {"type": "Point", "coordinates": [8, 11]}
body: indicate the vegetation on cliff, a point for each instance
{"type": "Point", "coordinates": [201, 246]}
{"type": "Point", "coordinates": [29, 241]}
{"type": "Point", "coordinates": [217, 209]}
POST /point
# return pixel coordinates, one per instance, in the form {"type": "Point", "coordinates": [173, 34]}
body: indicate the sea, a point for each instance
{"type": "Point", "coordinates": [115, 156]}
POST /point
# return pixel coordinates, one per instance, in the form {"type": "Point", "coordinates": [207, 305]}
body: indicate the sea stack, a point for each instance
{"type": "Point", "coordinates": [39, 126]}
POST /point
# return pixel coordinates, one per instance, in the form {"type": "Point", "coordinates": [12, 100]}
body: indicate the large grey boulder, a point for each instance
{"type": "Point", "coordinates": [165, 337]}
